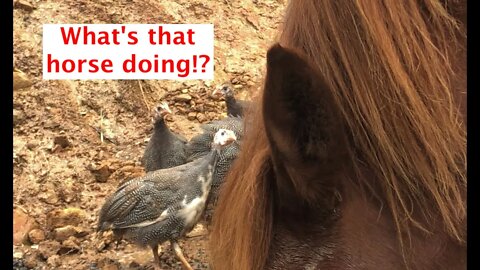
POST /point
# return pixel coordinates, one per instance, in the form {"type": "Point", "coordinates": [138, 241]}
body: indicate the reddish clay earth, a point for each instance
{"type": "Point", "coordinates": [75, 141]}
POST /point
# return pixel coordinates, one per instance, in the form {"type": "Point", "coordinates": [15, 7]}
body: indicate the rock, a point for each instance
{"type": "Point", "coordinates": [36, 236]}
{"type": "Point", "coordinates": [183, 98]}
{"type": "Point", "coordinates": [107, 264]}
{"type": "Point", "coordinates": [198, 230]}
{"type": "Point", "coordinates": [22, 224]}
{"type": "Point", "coordinates": [101, 172]}
{"type": "Point", "coordinates": [62, 218]}
{"type": "Point", "coordinates": [201, 117]}
{"type": "Point", "coordinates": [49, 196]}
{"type": "Point", "coordinates": [18, 255]}
{"type": "Point", "coordinates": [191, 116]}
{"type": "Point", "coordinates": [101, 245]}
{"type": "Point", "coordinates": [253, 20]}
{"type": "Point", "coordinates": [62, 141]}
{"type": "Point", "coordinates": [48, 248]}
{"type": "Point", "coordinates": [211, 115]}
{"type": "Point", "coordinates": [69, 246]}
{"type": "Point", "coordinates": [111, 266]}
{"type": "Point", "coordinates": [181, 110]}
{"type": "Point", "coordinates": [30, 260]}
{"type": "Point", "coordinates": [54, 261]}
{"type": "Point", "coordinates": [18, 117]}
{"type": "Point", "coordinates": [20, 80]}
{"type": "Point", "coordinates": [208, 83]}
{"type": "Point", "coordinates": [63, 233]}
{"type": "Point", "coordinates": [134, 265]}
{"type": "Point", "coordinates": [31, 145]}
{"type": "Point", "coordinates": [201, 108]}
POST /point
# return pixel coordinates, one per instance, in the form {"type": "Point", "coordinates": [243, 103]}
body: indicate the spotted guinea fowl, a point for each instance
{"type": "Point", "coordinates": [235, 107]}
{"type": "Point", "coordinates": [165, 149]}
{"type": "Point", "coordinates": [201, 144]}
{"type": "Point", "coordinates": [164, 204]}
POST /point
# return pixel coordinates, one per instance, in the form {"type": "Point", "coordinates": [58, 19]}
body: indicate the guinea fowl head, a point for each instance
{"type": "Point", "coordinates": [223, 90]}
{"type": "Point", "coordinates": [223, 137]}
{"type": "Point", "coordinates": [161, 110]}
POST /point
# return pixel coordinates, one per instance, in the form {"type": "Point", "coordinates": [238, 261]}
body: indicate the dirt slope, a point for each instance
{"type": "Point", "coordinates": [75, 141]}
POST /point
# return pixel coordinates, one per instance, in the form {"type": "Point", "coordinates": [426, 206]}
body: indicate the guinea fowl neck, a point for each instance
{"type": "Point", "coordinates": [230, 100]}
{"type": "Point", "coordinates": [160, 125]}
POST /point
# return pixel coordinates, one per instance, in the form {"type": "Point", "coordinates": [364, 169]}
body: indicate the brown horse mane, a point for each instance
{"type": "Point", "coordinates": [397, 72]}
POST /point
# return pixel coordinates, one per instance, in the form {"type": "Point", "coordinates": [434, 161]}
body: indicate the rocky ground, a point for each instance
{"type": "Point", "coordinates": [75, 141]}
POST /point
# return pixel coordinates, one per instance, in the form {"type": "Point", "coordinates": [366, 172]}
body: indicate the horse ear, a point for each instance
{"type": "Point", "coordinates": [303, 127]}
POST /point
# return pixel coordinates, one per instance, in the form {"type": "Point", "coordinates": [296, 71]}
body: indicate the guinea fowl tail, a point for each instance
{"type": "Point", "coordinates": [118, 205]}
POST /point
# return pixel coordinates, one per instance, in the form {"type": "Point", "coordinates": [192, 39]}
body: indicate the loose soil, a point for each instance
{"type": "Point", "coordinates": [75, 141]}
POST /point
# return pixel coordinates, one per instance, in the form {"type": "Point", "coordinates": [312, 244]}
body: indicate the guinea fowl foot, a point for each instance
{"type": "Point", "coordinates": [156, 258]}
{"type": "Point", "coordinates": [179, 254]}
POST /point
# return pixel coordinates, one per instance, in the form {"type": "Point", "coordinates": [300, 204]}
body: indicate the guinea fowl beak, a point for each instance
{"type": "Point", "coordinates": [217, 93]}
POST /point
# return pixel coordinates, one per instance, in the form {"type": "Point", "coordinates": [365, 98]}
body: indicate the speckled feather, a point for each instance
{"type": "Point", "coordinates": [221, 169]}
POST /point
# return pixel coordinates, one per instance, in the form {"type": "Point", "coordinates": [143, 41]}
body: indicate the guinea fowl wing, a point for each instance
{"type": "Point", "coordinates": [137, 201]}
{"type": "Point", "coordinates": [143, 199]}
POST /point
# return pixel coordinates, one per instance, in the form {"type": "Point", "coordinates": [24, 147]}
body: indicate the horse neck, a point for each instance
{"type": "Point", "coordinates": [367, 228]}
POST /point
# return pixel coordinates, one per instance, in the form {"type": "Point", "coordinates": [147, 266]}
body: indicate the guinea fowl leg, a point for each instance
{"type": "Point", "coordinates": [156, 258]}
{"type": "Point", "coordinates": [179, 254]}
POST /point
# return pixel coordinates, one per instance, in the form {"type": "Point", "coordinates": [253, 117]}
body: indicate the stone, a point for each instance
{"type": "Point", "coordinates": [69, 246]}
{"type": "Point", "coordinates": [36, 236]}
{"type": "Point", "coordinates": [18, 117]}
{"type": "Point", "coordinates": [22, 225]}
{"type": "Point", "coordinates": [183, 98]}
{"type": "Point", "coordinates": [30, 260]}
{"type": "Point", "coordinates": [54, 261]}
{"type": "Point", "coordinates": [106, 263]}
{"type": "Point", "coordinates": [48, 248]}
{"type": "Point", "coordinates": [101, 245]}
{"type": "Point", "coordinates": [191, 116]}
{"type": "Point", "coordinates": [101, 172]}
{"type": "Point", "coordinates": [62, 141]}
{"type": "Point", "coordinates": [201, 117]}
{"type": "Point", "coordinates": [49, 196]}
{"type": "Point", "coordinates": [253, 20]}
{"type": "Point", "coordinates": [20, 80]}
{"type": "Point", "coordinates": [64, 217]}
{"type": "Point", "coordinates": [63, 233]}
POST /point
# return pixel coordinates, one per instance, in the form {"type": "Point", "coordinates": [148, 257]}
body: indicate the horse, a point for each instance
{"type": "Point", "coordinates": [355, 157]}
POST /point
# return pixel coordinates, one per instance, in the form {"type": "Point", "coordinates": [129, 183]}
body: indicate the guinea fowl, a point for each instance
{"type": "Point", "coordinates": [164, 204]}
{"type": "Point", "coordinates": [235, 107]}
{"type": "Point", "coordinates": [165, 148]}
{"type": "Point", "coordinates": [200, 145]}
